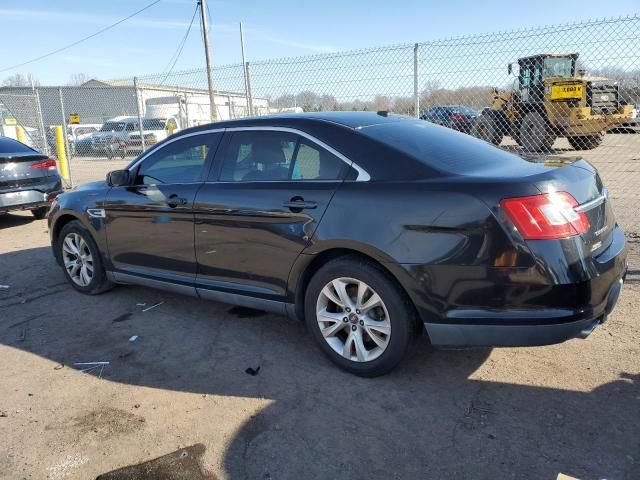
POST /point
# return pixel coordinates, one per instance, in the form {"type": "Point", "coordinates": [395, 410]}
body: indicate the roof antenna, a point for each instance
{"type": "Point", "coordinates": [383, 113]}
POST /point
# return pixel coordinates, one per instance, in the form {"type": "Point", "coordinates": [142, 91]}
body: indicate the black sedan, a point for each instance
{"type": "Point", "coordinates": [371, 228]}
{"type": "Point", "coordinates": [29, 179]}
{"type": "Point", "coordinates": [456, 117]}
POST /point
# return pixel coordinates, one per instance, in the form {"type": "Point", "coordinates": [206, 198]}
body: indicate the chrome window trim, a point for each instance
{"type": "Point", "coordinates": [593, 203]}
{"type": "Point", "coordinates": [363, 176]}
{"type": "Point", "coordinates": [169, 142]}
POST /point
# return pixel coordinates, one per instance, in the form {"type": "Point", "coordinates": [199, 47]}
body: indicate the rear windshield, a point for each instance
{"type": "Point", "coordinates": [9, 146]}
{"type": "Point", "coordinates": [463, 109]}
{"type": "Point", "coordinates": [441, 148]}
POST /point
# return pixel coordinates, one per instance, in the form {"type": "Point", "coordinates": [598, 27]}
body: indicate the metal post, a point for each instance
{"type": "Point", "coordinates": [416, 95]}
{"type": "Point", "coordinates": [139, 110]}
{"type": "Point", "coordinates": [249, 88]}
{"type": "Point", "coordinates": [246, 73]}
{"type": "Point", "coordinates": [205, 35]}
{"type": "Point", "coordinates": [66, 136]}
{"type": "Point", "coordinates": [45, 145]}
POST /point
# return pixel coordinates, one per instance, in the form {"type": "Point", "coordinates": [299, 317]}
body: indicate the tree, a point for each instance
{"type": "Point", "coordinates": [20, 80]}
{"type": "Point", "coordinates": [78, 79]}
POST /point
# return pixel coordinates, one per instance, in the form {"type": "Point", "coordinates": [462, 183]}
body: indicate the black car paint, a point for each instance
{"type": "Point", "coordinates": [441, 236]}
{"type": "Point", "coordinates": [23, 187]}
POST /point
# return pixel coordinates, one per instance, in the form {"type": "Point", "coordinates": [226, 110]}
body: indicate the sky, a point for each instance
{"type": "Point", "coordinates": [273, 29]}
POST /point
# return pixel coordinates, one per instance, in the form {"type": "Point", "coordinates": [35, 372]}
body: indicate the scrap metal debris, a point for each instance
{"type": "Point", "coordinates": [252, 371]}
{"type": "Point", "coordinates": [90, 366]}
{"type": "Point", "coordinates": [133, 338]}
{"type": "Point", "coordinates": [152, 306]}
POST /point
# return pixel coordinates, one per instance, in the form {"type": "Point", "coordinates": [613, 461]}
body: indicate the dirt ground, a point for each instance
{"type": "Point", "coordinates": [180, 393]}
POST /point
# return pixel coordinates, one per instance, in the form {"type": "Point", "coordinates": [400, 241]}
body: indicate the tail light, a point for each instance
{"type": "Point", "coordinates": [47, 164]}
{"type": "Point", "coordinates": [456, 117]}
{"type": "Point", "coordinates": [546, 216]}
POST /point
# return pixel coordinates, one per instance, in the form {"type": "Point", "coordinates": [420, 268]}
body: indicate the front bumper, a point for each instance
{"type": "Point", "coordinates": [531, 314]}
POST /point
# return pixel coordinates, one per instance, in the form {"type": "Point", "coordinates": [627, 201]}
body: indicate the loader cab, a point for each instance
{"type": "Point", "coordinates": [534, 70]}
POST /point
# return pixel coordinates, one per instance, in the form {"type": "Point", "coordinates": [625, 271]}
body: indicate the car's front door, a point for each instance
{"type": "Point", "coordinates": [260, 209]}
{"type": "Point", "coordinates": [150, 222]}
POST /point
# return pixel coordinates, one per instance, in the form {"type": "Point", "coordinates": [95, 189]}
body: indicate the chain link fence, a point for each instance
{"type": "Point", "coordinates": [560, 91]}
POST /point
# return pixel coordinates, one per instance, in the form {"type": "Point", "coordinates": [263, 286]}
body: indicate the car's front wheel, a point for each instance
{"type": "Point", "coordinates": [359, 317]}
{"type": "Point", "coordinates": [81, 260]}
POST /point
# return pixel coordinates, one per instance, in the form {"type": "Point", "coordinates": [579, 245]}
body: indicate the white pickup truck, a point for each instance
{"type": "Point", "coordinates": [166, 115]}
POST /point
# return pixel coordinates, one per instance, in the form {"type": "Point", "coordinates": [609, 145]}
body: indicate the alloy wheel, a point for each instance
{"type": "Point", "coordinates": [77, 259]}
{"type": "Point", "coordinates": [353, 319]}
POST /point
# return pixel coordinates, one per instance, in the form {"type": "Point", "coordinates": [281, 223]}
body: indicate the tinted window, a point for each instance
{"type": "Point", "coordinates": [131, 127]}
{"type": "Point", "coordinates": [179, 162]}
{"type": "Point", "coordinates": [446, 151]}
{"type": "Point", "coordinates": [277, 156]}
{"type": "Point", "coordinates": [313, 162]}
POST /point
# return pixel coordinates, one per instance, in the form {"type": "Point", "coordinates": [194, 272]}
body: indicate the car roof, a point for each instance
{"type": "Point", "coordinates": [345, 119]}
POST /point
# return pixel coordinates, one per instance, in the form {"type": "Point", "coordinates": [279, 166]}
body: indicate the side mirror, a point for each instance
{"type": "Point", "coordinates": [118, 178]}
{"type": "Point", "coordinates": [510, 69]}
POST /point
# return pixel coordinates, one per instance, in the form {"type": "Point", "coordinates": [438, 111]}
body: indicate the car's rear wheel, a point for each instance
{"type": "Point", "coordinates": [359, 317]}
{"type": "Point", "coordinates": [40, 213]}
{"type": "Point", "coordinates": [81, 260]}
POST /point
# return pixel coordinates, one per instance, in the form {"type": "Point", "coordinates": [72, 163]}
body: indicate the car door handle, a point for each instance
{"type": "Point", "coordinates": [298, 204]}
{"type": "Point", "coordinates": [174, 201]}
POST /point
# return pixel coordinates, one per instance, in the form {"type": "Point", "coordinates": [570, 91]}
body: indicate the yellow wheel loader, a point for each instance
{"type": "Point", "coordinates": [549, 101]}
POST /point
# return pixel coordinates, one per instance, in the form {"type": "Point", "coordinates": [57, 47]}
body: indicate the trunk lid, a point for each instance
{"type": "Point", "coordinates": [17, 172]}
{"type": "Point", "coordinates": [580, 179]}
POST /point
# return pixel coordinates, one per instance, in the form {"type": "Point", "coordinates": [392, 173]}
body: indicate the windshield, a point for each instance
{"type": "Point", "coordinates": [112, 127]}
{"type": "Point", "coordinates": [558, 67]}
{"type": "Point", "coordinates": [153, 124]}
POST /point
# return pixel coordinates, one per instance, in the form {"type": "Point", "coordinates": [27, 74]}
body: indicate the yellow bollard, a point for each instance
{"type": "Point", "coordinates": [63, 166]}
{"type": "Point", "coordinates": [20, 133]}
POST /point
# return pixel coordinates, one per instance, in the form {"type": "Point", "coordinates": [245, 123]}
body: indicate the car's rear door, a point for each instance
{"type": "Point", "coordinates": [260, 209]}
{"type": "Point", "coordinates": [150, 222]}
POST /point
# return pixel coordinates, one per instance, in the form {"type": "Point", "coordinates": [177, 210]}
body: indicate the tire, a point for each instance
{"type": "Point", "coordinates": [486, 128]}
{"type": "Point", "coordinates": [586, 142]}
{"type": "Point", "coordinates": [535, 133]}
{"type": "Point", "coordinates": [394, 314]}
{"type": "Point", "coordinates": [98, 282]}
{"type": "Point", "coordinates": [40, 212]}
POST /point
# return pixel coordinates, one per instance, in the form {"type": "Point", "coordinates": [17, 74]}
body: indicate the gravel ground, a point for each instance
{"type": "Point", "coordinates": [179, 393]}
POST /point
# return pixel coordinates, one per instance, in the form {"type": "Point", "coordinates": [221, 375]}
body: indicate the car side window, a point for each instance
{"type": "Point", "coordinates": [313, 162]}
{"type": "Point", "coordinates": [258, 156]}
{"type": "Point", "coordinates": [180, 161]}
{"type": "Point", "coordinates": [130, 127]}
{"type": "Point", "coordinates": [277, 156]}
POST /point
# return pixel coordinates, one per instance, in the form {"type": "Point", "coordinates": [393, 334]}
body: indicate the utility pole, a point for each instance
{"type": "Point", "coordinates": [245, 68]}
{"type": "Point", "coordinates": [205, 35]}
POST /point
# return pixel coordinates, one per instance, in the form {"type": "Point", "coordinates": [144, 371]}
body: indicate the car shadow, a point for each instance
{"type": "Point", "coordinates": [433, 417]}
{"type": "Point", "coordinates": [8, 220]}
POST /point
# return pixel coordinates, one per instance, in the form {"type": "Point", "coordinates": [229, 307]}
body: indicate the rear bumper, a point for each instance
{"type": "Point", "coordinates": [30, 199]}
{"type": "Point", "coordinates": [521, 314]}
{"type": "Point", "coordinates": [518, 329]}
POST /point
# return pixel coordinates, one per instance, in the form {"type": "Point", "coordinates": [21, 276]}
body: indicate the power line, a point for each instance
{"type": "Point", "coordinates": [81, 40]}
{"type": "Point", "coordinates": [178, 52]}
